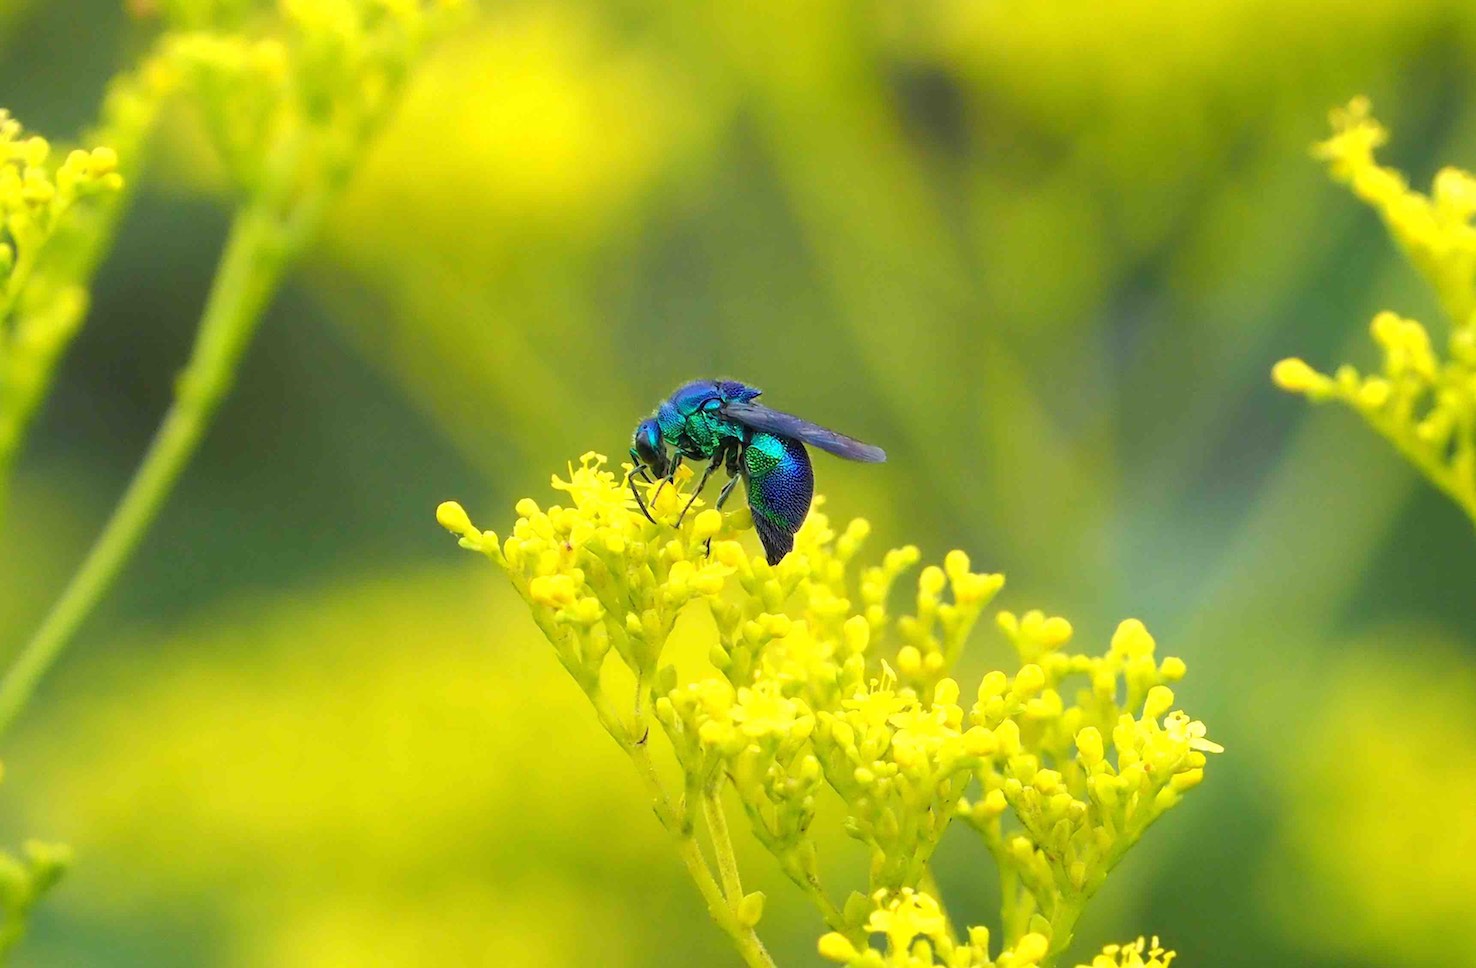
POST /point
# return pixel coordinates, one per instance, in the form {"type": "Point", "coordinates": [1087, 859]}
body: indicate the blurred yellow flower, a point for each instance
{"type": "Point", "coordinates": [42, 297]}
{"type": "Point", "coordinates": [1135, 954]}
{"type": "Point", "coordinates": [1424, 405]}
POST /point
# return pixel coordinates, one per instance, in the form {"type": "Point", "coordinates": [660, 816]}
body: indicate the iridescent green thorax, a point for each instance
{"type": "Point", "coordinates": [691, 421]}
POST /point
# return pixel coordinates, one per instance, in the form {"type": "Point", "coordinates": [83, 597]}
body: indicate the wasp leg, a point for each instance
{"type": "Point", "coordinates": [630, 479]}
{"type": "Point", "coordinates": [727, 489]}
{"type": "Point", "coordinates": [717, 461]}
{"type": "Point", "coordinates": [722, 499]}
{"type": "Point", "coordinates": [670, 477]}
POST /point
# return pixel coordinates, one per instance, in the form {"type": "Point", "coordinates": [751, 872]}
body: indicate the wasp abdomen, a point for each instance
{"type": "Point", "coordinates": [781, 484]}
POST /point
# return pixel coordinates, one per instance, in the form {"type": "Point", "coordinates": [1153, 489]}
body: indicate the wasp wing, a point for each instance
{"type": "Point", "coordinates": [784, 424]}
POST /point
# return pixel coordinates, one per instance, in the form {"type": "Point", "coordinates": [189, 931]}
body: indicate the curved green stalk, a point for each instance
{"type": "Point", "coordinates": [251, 267]}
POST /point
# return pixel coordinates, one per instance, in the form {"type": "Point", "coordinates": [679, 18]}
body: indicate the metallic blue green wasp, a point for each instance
{"type": "Point", "coordinates": [718, 422]}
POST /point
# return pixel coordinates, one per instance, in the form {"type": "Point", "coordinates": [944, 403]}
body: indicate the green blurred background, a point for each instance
{"type": "Point", "coordinates": [1045, 253]}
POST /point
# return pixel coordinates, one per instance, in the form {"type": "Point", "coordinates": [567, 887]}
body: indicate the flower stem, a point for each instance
{"type": "Point", "coordinates": [678, 823]}
{"type": "Point", "coordinates": [722, 845]}
{"type": "Point", "coordinates": [250, 269]}
{"type": "Point", "coordinates": [1063, 924]}
{"type": "Point", "coordinates": [722, 909]}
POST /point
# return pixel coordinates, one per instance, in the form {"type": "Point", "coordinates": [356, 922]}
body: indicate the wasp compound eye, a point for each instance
{"type": "Point", "coordinates": [649, 449]}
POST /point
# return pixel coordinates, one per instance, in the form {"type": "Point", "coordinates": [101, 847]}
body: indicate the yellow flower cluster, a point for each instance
{"type": "Point", "coordinates": [36, 193]}
{"type": "Point", "coordinates": [42, 297]}
{"type": "Point", "coordinates": [290, 103]}
{"type": "Point", "coordinates": [1424, 405]}
{"type": "Point", "coordinates": [1137, 954]}
{"type": "Point", "coordinates": [1082, 780]}
{"type": "Point", "coordinates": [918, 936]}
{"type": "Point", "coordinates": [812, 683]}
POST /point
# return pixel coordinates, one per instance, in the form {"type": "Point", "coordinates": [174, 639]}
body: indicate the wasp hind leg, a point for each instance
{"type": "Point", "coordinates": [723, 496]}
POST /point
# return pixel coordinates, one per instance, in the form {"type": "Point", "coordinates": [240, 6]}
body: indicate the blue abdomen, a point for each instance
{"type": "Point", "coordinates": [781, 484]}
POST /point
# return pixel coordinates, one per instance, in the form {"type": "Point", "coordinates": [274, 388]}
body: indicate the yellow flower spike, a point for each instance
{"type": "Point", "coordinates": [1439, 239]}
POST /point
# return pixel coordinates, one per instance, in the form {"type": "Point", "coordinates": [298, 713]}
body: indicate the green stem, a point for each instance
{"type": "Point", "coordinates": [1012, 916]}
{"type": "Point", "coordinates": [722, 845]}
{"type": "Point", "coordinates": [250, 269]}
{"type": "Point", "coordinates": [678, 823]}
{"type": "Point", "coordinates": [835, 918]}
{"type": "Point", "coordinates": [1063, 923]}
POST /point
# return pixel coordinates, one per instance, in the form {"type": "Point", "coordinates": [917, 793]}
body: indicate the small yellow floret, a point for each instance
{"type": "Point", "coordinates": [453, 518]}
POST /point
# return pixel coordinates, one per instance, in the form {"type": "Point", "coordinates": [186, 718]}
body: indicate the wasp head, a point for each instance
{"type": "Point", "coordinates": [650, 449]}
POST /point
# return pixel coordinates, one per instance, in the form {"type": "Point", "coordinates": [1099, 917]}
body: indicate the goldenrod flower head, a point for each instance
{"type": "Point", "coordinates": [812, 682]}
{"type": "Point", "coordinates": [1425, 406]}
{"type": "Point", "coordinates": [307, 80]}
{"type": "Point", "coordinates": [917, 935]}
{"type": "Point", "coordinates": [1136, 954]}
{"type": "Point", "coordinates": [36, 193]}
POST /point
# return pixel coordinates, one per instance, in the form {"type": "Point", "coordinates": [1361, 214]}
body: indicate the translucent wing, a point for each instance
{"type": "Point", "coordinates": [784, 424]}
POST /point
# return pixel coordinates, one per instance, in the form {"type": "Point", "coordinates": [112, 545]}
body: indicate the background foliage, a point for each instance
{"type": "Point", "coordinates": [1045, 254]}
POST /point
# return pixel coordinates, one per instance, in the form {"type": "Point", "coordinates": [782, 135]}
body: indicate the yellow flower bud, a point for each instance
{"type": "Point", "coordinates": [835, 947]}
{"type": "Point", "coordinates": [453, 518]}
{"type": "Point", "coordinates": [1032, 947]}
{"type": "Point", "coordinates": [1055, 632]}
{"type": "Point", "coordinates": [1089, 746]}
{"type": "Point", "coordinates": [979, 741]}
{"type": "Point", "coordinates": [1029, 680]}
{"type": "Point", "coordinates": [707, 523]}
{"type": "Point", "coordinates": [1159, 701]}
{"type": "Point", "coordinates": [945, 693]}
